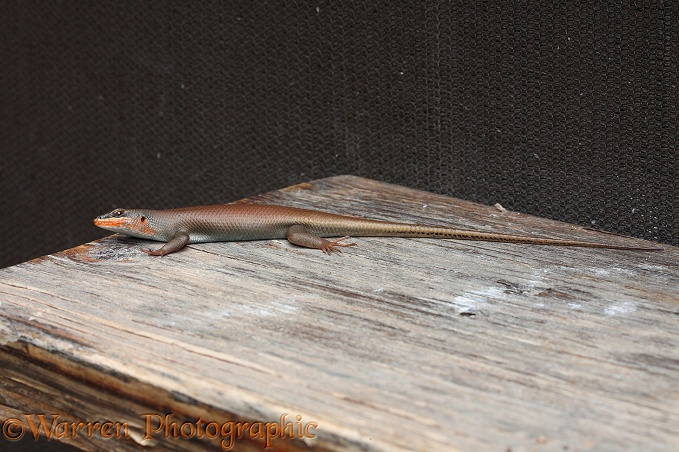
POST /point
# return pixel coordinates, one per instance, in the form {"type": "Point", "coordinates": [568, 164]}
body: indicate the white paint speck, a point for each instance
{"type": "Point", "coordinates": [620, 308]}
{"type": "Point", "coordinates": [379, 289]}
{"type": "Point", "coordinates": [573, 305]}
{"type": "Point", "coordinates": [612, 271]}
{"type": "Point", "coordinates": [285, 306]}
{"type": "Point", "coordinates": [256, 311]}
{"type": "Point", "coordinates": [273, 308]}
{"type": "Point", "coordinates": [473, 300]}
{"type": "Point", "coordinates": [652, 267]}
{"type": "Point", "coordinates": [220, 313]}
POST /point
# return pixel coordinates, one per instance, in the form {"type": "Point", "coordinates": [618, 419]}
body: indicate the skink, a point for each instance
{"type": "Point", "coordinates": [307, 228]}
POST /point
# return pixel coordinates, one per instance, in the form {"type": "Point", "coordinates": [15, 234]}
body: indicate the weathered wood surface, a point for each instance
{"type": "Point", "coordinates": [397, 344]}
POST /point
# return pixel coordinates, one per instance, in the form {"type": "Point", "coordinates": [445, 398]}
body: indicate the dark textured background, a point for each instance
{"type": "Point", "coordinates": [562, 109]}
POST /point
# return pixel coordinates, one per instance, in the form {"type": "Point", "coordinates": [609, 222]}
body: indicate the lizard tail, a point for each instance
{"type": "Point", "coordinates": [377, 229]}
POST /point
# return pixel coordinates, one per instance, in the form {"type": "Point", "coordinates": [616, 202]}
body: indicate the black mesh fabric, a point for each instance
{"type": "Point", "coordinates": [563, 109]}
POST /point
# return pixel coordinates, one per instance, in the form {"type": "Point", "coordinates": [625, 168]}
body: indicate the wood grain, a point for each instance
{"type": "Point", "coordinates": [397, 344]}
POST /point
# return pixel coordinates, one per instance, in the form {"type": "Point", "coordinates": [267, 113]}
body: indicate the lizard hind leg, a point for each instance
{"type": "Point", "coordinates": [335, 245]}
{"type": "Point", "coordinates": [299, 236]}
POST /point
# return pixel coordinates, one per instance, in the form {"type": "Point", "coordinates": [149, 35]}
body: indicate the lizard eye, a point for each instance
{"type": "Point", "coordinates": [117, 213]}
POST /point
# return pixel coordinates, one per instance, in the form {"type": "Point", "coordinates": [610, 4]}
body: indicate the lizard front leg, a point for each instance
{"type": "Point", "coordinates": [177, 242]}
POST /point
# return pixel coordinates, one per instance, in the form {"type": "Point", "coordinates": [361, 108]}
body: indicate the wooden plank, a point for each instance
{"type": "Point", "coordinates": [397, 344]}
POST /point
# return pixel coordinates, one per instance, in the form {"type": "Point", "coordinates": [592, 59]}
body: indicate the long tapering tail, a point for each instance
{"type": "Point", "coordinates": [367, 228]}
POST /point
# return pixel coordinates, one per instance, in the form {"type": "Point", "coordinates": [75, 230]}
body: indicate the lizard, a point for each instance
{"type": "Point", "coordinates": [302, 227]}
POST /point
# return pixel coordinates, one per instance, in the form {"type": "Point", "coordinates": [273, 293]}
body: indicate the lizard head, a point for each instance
{"type": "Point", "coordinates": [134, 223]}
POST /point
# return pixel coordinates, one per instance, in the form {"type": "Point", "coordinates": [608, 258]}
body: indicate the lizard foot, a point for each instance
{"type": "Point", "coordinates": [335, 245]}
{"type": "Point", "coordinates": [153, 252]}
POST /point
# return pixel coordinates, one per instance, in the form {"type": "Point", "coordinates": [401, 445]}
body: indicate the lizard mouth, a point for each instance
{"type": "Point", "coordinates": [109, 222]}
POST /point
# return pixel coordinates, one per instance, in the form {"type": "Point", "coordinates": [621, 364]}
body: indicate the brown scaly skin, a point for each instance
{"type": "Point", "coordinates": [307, 228]}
